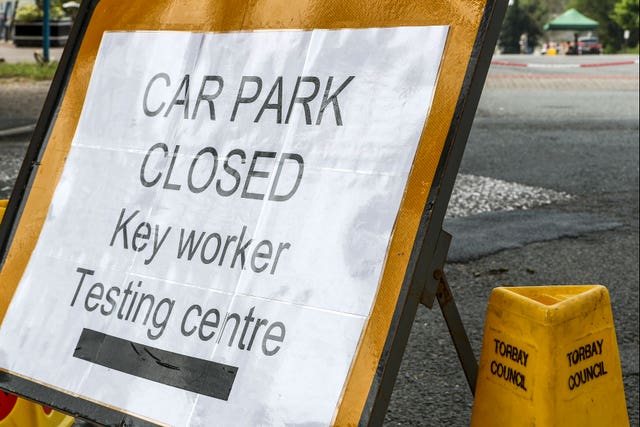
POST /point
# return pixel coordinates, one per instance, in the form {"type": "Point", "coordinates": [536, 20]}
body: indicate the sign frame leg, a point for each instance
{"type": "Point", "coordinates": [438, 287]}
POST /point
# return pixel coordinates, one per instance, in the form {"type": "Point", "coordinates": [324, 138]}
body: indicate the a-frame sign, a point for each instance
{"type": "Point", "coordinates": [229, 211]}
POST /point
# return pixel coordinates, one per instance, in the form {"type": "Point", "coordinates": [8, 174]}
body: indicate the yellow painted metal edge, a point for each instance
{"type": "Point", "coordinates": [3, 207]}
{"type": "Point", "coordinates": [463, 17]}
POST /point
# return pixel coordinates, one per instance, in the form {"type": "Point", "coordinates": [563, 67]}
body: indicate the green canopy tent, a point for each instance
{"type": "Point", "coordinates": [572, 20]}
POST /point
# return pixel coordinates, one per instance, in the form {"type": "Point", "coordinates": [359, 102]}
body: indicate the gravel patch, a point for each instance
{"type": "Point", "coordinates": [11, 156]}
{"type": "Point", "coordinates": [474, 195]}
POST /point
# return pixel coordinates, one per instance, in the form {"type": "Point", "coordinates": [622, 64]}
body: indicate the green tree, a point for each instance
{"type": "Point", "coordinates": [625, 14]}
{"type": "Point", "coordinates": [523, 17]}
{"type": "Point", "coordinates": [34, 12]}
{"type": "Point", "coordinates": [556, 7]}
{"type": "Point", "coordinates": [609, 32]}
{"type": "Point", "coordinates": [52, 3]}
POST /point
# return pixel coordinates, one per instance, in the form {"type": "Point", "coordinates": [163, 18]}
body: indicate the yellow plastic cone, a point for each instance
{"type": "Point", "coordinates": [16, 412]}
{"type": "Point", "coordinates": [550, 358]}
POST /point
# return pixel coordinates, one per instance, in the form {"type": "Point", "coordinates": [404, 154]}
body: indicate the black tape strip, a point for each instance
{"type": "Point", "coordinates": [177, 370]}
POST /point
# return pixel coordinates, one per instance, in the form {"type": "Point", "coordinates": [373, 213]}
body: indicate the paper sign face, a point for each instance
{"type": "Point", "coordinates": [216, 241]}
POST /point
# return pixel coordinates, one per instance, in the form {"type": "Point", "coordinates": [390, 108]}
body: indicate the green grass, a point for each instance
{"type": "Point", "coordinates": [631, 50]}
{"type": "Point", "coordinates": [29, 71]}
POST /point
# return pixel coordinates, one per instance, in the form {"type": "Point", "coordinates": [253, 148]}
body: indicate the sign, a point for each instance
{"type": "Point", "coordinates": [224, 215]}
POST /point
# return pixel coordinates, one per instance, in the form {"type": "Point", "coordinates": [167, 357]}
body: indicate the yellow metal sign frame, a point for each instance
{"type": "Point", "coordinates": [473, 28]}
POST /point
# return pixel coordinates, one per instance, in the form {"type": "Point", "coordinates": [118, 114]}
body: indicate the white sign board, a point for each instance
{"type": "Point", "coordinates": [228, 198]}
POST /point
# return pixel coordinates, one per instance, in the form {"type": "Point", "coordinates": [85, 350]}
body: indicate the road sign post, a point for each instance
{"type": "Point", "coordinates": [236, 210]}
{"type": "Point", "coordinates": [46, 29]}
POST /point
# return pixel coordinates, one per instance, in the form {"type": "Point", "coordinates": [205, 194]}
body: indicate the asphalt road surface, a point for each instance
{"type": "Point", "coordinates": [547, 194]}
{"type": "Point", "coordinates": [570, 133]}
